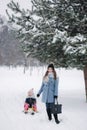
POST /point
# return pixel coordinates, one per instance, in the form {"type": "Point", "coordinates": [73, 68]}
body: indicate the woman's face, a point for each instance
{"type": "Point", "coordinates": [50, 70]}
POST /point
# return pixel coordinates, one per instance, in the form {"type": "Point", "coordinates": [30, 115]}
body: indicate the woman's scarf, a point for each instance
{"type": "Point", "coordinates": [46, 78]}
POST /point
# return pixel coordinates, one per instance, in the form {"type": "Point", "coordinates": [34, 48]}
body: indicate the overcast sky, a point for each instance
{"type": "Point", "coordinates": [23, 3]}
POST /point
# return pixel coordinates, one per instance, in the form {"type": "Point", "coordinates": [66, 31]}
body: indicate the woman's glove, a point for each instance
{"type": "Point", "coordinates": [38, 95]}
{"type": "Point", "coordinates": [55, 97]}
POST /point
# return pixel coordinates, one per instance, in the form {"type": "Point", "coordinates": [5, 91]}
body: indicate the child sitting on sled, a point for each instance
{"type": "Point", "coordinates": [30, 102]}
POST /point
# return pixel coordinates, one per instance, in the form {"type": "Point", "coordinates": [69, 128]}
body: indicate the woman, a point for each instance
{"type": "Point", "coordinates": [49, 88]}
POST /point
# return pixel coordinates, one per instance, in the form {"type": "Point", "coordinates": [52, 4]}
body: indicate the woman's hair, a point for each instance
{"type": "Point", "coordinates": [54, 72]}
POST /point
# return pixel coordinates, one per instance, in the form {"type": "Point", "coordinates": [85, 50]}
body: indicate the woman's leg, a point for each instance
{"type": "Point", "coordinates": [48, 109]}
{"type": "Point", "coordinates": [56, 118]}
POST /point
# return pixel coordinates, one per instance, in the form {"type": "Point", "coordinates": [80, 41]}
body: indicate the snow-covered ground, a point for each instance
{"type": "Point", "coordinates": [14, 84]}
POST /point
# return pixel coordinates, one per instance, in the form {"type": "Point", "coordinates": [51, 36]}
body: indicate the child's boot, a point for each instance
{"type": "Point", "coordinates": [26, 106]}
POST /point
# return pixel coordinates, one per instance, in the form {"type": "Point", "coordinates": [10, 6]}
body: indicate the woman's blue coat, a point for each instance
{"type": "Point", "coordinates": [49, 90]}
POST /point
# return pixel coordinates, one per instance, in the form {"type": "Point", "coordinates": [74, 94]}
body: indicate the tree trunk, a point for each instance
{"type": "Point", "coordinates": [85, 78]}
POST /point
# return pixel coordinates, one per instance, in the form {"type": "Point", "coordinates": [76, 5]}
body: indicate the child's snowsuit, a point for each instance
{"type": "Point", "coordinates": [30, 102]}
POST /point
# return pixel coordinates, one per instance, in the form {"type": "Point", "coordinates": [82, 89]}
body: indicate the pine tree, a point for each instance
{"type": "Point", "coordinates": [54, 30]}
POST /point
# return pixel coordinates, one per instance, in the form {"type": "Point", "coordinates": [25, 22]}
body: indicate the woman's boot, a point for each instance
{"type": "Point", "coordinates": [56, 118]}
{"type": "Point", "coordinates": [49, 114]}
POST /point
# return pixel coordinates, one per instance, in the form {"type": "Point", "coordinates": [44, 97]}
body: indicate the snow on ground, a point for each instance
{"type": "Point", "coordinates": [14, 84]}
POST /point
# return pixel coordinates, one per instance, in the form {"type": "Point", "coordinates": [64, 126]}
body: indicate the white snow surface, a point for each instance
{"type": "Point", "coordinates": [14, 84]}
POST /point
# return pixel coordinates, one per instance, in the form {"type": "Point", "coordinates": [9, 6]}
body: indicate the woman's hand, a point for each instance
{"type": "Point", "coordinates": [55, 97]}
{"type": "Point", "coordinates": [38, 95]}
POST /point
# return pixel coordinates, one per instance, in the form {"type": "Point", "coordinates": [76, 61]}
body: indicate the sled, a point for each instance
{"type": "Point", "coordinates": [30, 111]}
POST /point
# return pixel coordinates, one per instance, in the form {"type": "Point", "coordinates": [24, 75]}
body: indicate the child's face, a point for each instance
{"type": "Point", "coordinates": [29, 94]}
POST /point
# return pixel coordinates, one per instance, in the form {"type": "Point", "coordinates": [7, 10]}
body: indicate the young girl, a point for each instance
{"type": "Point", "coordinates": [49, 88]}
{"type": "Point", "coordinates": [30, 102]}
